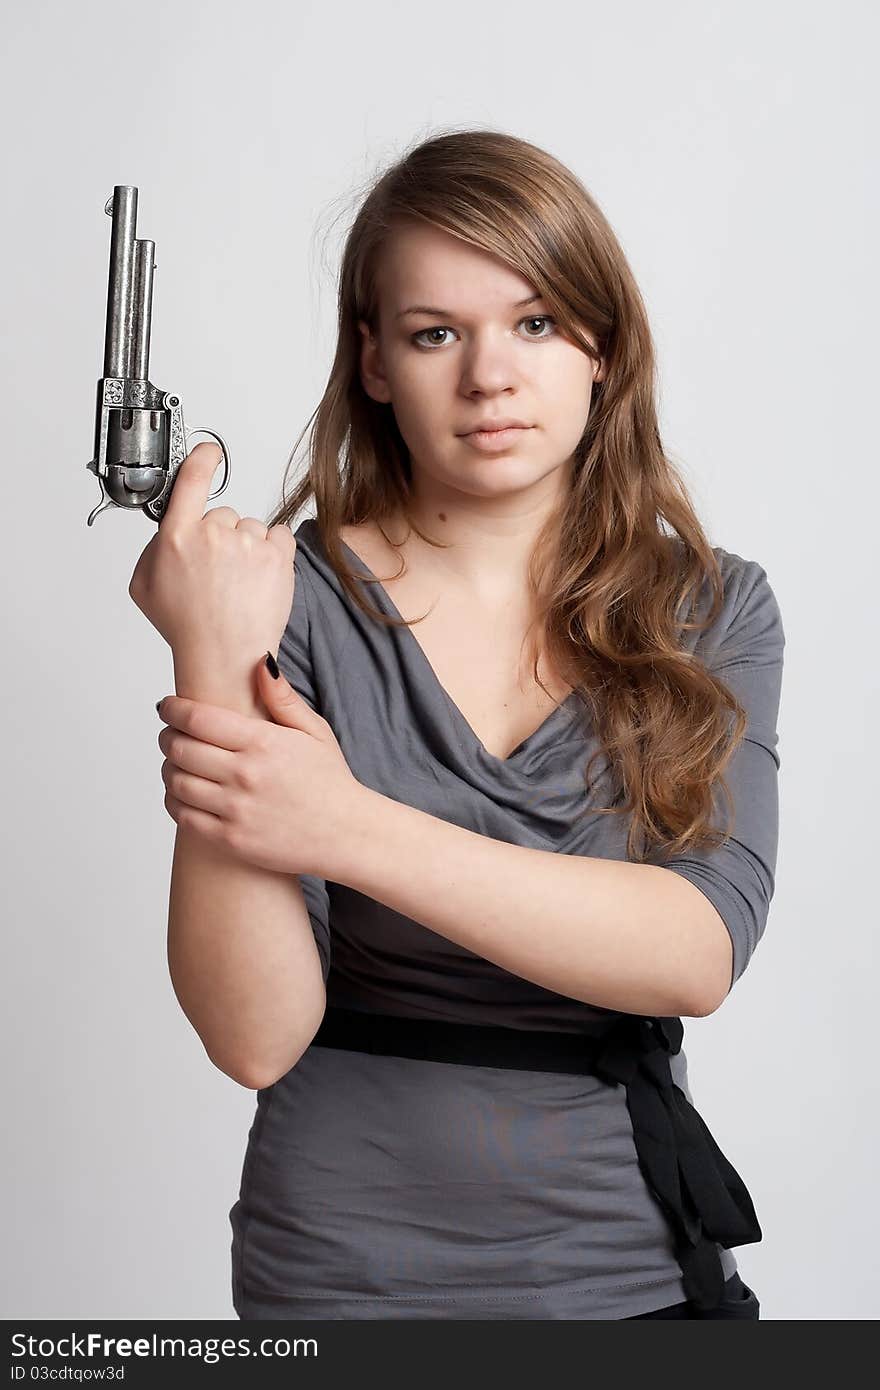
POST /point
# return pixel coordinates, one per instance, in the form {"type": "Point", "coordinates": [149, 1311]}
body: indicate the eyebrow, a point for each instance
{"type": "Point", "coordinates": [447, 313]}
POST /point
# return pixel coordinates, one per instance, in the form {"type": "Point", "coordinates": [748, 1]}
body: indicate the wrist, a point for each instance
{"type": "Point", "coordinates": [353, 836]}
{"type": "Point", "coordinates": [232, 688]}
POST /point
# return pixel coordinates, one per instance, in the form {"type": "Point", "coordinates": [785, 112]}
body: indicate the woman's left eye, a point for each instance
{"type": "Point", "coordinates": [539, 318]}
{"type": "Point", "coordinates": [533, 318]}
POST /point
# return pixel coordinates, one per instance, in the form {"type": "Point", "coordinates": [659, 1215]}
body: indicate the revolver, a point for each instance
{"type": "Point", "coordinates": [140, 439]}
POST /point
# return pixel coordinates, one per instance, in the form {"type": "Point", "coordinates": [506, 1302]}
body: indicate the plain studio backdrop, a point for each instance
{"type": "Point", "coordinates": [729, 146]}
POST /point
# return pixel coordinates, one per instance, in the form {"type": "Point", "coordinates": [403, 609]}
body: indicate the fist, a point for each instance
{"type": "Point", "coordinates": [218, 587]}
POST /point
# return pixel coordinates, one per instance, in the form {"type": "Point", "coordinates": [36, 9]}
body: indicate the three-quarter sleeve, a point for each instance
{"type": "Point", "coordinates": [744, 647]}
{"type": "Point", "coordinates": [294, 660]}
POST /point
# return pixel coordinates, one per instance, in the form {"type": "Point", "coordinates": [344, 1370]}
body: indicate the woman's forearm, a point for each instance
{"type": "Point", "coordinates": [626, 936]}
{"type": "Point", "coordinates": [241, 951]}
{"type": "Point", "coordinates": [243, 961]}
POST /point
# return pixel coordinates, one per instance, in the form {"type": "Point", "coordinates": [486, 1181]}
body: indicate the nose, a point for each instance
{"type": "Point", "coordinates": [488, 363]}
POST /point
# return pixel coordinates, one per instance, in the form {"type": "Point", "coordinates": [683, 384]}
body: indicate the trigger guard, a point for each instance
{"type": "Point", "coordinates": [226, 464]}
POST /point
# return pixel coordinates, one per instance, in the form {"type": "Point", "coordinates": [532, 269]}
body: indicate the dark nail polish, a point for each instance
{"type": "Point", "coordinates": [272, 665]}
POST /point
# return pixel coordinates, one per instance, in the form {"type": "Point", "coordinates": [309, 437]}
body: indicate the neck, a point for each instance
{"type": "Point", "coordinates": [485, 548]}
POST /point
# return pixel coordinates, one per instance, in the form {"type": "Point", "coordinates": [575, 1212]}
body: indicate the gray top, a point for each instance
{"type": "Point", "coordinates": [389, 1187]}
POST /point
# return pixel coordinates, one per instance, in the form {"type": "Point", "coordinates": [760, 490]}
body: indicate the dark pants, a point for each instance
{"type": "Point", "coordinates": [738, 1302]}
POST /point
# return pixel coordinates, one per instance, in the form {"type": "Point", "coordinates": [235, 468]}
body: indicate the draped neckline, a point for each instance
{"type": "Point", "coordinates": [407, 635]}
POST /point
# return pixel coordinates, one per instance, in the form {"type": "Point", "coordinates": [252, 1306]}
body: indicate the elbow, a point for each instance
{"type": "Point", "coordinates": [707, 945]}
{"type": "Point", "coordinates": [256, 1076]}
{"type": "Point", "coordinates": [244, 1079]}
{"type": "Point", "coordinates": [703, 1006]}
{"type": "Point", "coordinates": [714, 983]}
{"type": "Point", "coordinates": [242, 1074]}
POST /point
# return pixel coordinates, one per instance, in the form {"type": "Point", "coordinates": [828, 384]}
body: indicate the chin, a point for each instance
{"type": "Point", "coordinates": [499, 486]}
{"type": "Point", "coordinates": [486, 476]}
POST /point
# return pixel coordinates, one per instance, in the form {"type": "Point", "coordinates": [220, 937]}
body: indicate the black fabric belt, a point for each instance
{"type": "Point", "coordinates": [704, 1199]}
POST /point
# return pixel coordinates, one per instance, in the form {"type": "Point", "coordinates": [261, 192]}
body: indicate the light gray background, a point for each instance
{"type": "Point", "coordinates": [729, 147]}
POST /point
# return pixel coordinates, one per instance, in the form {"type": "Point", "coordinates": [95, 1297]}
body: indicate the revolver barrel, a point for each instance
{"type": "Point", "coordinates": [139, 365]}
{"type": "Point", "coordinates": [129, 293]}
{"type": "Point", "coordinates": [120, 291]}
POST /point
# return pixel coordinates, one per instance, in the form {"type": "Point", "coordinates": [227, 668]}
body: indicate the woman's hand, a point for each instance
{"type": "Point", "coordinates": [278, 795]}
{"type": "Point", "coordinates": [218, 588]}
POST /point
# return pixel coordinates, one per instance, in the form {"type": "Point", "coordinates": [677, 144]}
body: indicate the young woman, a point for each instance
{"type": "Point", "coordinates": [523, 807]}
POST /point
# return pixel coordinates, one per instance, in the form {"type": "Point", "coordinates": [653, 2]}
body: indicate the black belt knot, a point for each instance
{"type": "Point", "coordinates": [701, 1194]}
{"type": "Point", "coordinates": [704, 1198]}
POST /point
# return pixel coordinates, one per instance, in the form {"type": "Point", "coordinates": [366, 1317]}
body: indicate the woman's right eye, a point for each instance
{"type": "Point", "coordinates": [416, 336]}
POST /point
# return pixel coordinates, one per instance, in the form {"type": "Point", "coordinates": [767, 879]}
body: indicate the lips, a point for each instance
{"type": "Point", "coordinates": [496, 441]}
{"type": "Point", "coordinates": [494, 426]}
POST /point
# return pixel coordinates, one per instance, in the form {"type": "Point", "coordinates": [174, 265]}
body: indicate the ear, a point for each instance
{"type": "Point", "coordinates": [372, 371]}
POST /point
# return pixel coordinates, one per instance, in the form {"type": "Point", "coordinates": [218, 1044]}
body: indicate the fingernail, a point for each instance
{"type": "Point", "coordinates": [272, 666]}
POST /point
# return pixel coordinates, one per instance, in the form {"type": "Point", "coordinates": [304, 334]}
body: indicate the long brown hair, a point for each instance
{"type": "Point", "coordinates": [616, 575]}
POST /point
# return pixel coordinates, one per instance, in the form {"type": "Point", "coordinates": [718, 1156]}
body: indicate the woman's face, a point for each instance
{"type": "Point", "coordinates": [479, 353]}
